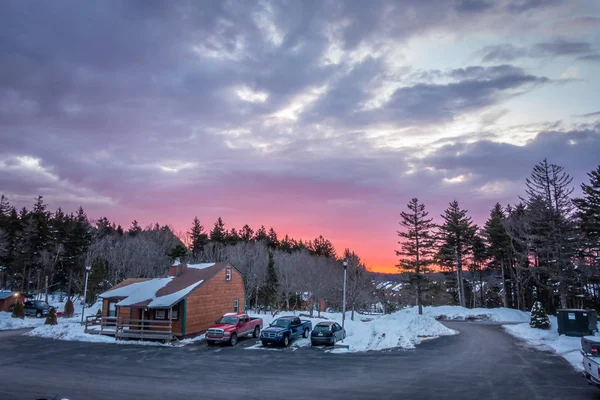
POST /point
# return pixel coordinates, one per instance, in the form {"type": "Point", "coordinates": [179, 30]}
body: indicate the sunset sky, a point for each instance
{"type": "Point", "coordinates": [320, 117]}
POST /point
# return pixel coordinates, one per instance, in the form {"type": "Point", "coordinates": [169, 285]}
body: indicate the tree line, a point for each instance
{"type": "Point", "coordinates": [43, 251]}
{"type": "Point", "coordinates": [544, 247]}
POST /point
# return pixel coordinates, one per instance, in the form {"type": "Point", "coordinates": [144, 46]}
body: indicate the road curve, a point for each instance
{"type": "Point", "coordinates": [482, 362]}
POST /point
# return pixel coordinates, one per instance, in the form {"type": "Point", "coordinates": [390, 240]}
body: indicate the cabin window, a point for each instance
{"type": "Point", "coordinates": [160, 314]}
{"type": "Point", "coordinates": [227, 274]}
{"type": "Point", "coordinates": [175, 313]}
{"type": "Point", "coordinates": [112, 309]}
{"type": "Point", "coordinates": [236, 306]}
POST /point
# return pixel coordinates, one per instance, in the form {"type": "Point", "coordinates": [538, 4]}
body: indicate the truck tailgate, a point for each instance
{"type": "Point", "coordinates": [591, 366]}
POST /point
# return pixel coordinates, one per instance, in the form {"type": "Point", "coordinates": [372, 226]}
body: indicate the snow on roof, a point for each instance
{"type": "Point", "coordinates": [201, 266]}
{"type": "Point", "coordinates": [170, 299]}
{"type": "Point", "coordinates": [176, 263]}
{"type": "Point", "coordinates": [5, 294]}
{"type": "Point", "coordinates": [142, 291]}
{"type": "Point", "coordinates": [124, 291]}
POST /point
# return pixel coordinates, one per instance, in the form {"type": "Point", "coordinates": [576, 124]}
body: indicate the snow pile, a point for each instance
{"type": "Point", "coordinates": [462, 313]}
{"type": "Point", "coordinates": [565, 346]}
{"type": "Point", "coordinates": [8, 322]}
{"type": "Point", "coordinates": [403, 329]}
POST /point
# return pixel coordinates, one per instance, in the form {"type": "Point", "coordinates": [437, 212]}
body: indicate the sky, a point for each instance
{"type": "Point", "coordinates": [311, 117]}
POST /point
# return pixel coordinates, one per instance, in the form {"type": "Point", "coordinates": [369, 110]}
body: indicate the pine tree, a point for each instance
{"type": "Point", "coordinates": [588, 212]}
{"type": "Point", "coordinates": [18, 311]}
{"type": "Point", "coordinates": [272, 240]}
{"type": "Point", "coordinates": [417, 246]}
{"type": "Point", "coordinates": [232, 237]}
{"type": "Point", "coordinates": [198, 238]}
{"type": "Point", "coordinates": [69, 309]}
{"type": "Point", "coordinates": [499, 243]}
{"type": "Point", "coordinates": [179, 251]}
{"type": "Point", "coordinates": [286, 244]}
{"type": "Point", "coordinates": [456, 235]}
{"type": "Point", "coordinates": [246, 233]}
{"type": "Point", "coordinates": [551, 226]}
{"type": "Point", "coordinates": [480, 256]}
{"type": "Point", "coordinates": [217, 235]}
{"type": "Point", "coordinates": [539, 318]}
{"type": "Point", "coordinates": [51, 317]}
{"type": "Point", "coordinates": [271, 289]}
{"type": "Point", "coordinates": [322, 247]}
{"type": "Point", "coordinates": [135, 228]}
{"type": "Point", "coordinates": [261, 234]}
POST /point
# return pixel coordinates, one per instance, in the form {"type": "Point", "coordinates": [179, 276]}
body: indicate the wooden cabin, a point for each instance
{"type": "Point", "coordinates": [8, 298]}
{"type": "Point", "coordinates": [182, 304]}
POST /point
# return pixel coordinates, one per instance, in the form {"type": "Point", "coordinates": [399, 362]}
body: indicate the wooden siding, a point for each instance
{"type": "Point", "coordinates": [211, 300]}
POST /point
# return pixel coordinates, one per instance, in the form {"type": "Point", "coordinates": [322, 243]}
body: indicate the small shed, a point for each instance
{"type": "Point", "coordinates": [8, 298]}
{"type": "Point", "coordinates": [183, 303]}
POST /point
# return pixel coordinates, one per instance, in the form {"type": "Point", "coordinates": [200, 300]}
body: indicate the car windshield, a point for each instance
{"type": "Point", "coordinates": [40, 303]}
{"type": "Point", "coordinates": [322, 328]}
{"type": "Point", "coordinates": [228, 320]}
{"type": "Point", "coordinates": [281, 323]}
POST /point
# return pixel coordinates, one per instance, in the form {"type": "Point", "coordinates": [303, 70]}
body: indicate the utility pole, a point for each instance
{"type": "Point", "coordinates": [344, 300]}
{"type": "Point", "coordinates": [88, 268]}
{"type": "Point", "coordinates": [46, 290]}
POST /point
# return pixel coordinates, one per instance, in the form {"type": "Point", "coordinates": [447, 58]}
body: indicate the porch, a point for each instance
{"type": "Point", "coordinates": [137, 323]}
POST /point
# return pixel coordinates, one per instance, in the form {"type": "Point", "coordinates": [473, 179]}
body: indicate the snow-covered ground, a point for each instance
{"type": "Point", "coordinates": [565, 346]}
{"type": "Point", "coordinates": [8, 322]}
{"type": "Point", "coordinates": [401, 329]}
{"type": "Point", "coordinates": [462, 313]}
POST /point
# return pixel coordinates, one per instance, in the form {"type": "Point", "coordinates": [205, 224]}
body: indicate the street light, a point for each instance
{"type": "Point", "coordinates": [344, 300]}
{"type": "Point", "coordinates": [88, 268]}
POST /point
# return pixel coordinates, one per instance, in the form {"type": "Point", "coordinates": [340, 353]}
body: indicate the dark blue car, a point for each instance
{"type": "Point", "coordinates": [285, 329]}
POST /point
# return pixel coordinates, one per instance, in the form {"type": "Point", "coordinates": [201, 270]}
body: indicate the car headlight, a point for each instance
{"type": "Point", "coordinates": [280, 334]}
{"type": "Point", "coordinates": [226, 333]}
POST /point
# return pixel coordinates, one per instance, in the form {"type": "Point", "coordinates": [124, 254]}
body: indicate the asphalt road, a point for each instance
{"type": "Point", "coordinates": [482, 362]}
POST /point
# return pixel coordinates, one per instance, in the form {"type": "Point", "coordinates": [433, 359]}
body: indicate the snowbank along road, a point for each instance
{"type": "Point", "coordinates": [483, 362]}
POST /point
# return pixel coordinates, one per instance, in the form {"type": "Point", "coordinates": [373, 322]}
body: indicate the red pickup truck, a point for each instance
{"type": "Point", "coordinates": [231, 327]}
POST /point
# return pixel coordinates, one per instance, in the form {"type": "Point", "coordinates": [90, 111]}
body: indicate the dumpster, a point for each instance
{"type": "Point", "coordinates": [575, 322]}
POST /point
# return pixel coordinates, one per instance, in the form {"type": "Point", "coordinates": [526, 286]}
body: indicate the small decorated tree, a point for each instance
{"type": "Point", "coordinates": [539, 318]}
{"type": "Point", "coordinates": [69, 309]}
{"type": "Point", "coordinates": [51, 318]}
{"type": "Point", "coordinates": [18, 311]}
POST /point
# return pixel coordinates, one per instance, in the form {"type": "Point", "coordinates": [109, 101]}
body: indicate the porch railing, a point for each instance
{"type": "Point", "coordinates": [143, 329]}
{"type": "Point", "coordinates": [101, 325]}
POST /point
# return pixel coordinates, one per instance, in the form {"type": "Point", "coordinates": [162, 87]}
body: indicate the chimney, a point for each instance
{"type": "Point", "coordinates": [177, 268]}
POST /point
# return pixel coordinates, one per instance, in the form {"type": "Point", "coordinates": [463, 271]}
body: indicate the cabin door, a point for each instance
{"type": "Point", "coordinates": [145, 317]}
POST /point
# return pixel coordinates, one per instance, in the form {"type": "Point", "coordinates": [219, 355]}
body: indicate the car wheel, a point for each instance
{"type": "Point", "coordinates": [305, 333]}
{"type": "Point", "coordinates": [38, 314]}
{"type": "Point", "coordinates": [333, 341]}
{"type": "Point", "coordinates": [233, 340]}
{"type": "Point", "coordinates": [256, 332]}
{"type": "Point", "coordinates": [286, 341]}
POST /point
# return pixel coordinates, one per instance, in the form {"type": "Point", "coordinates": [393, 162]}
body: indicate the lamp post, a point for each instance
{"type": "Point", "coordinates": [88, 268]}
{"type": "Point", "coordinates": [344, 300]}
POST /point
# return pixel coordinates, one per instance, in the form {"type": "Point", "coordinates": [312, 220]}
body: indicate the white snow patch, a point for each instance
{"type": "Point", "coordinates": [170, 299]}
{"type": "Point", "coordinates": [403, 329]}
{"type": "Point", "coordinates": [565, 346]}
{"type": "Point", "coordinates": [201, 266]}
{"type": "Point", "coordinates": [8, 322]}
{"type": "Point", "coordinates": [462, 313]}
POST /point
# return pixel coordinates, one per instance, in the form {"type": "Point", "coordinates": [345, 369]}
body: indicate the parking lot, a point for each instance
{"type": "Point", "coordinates": [481, 362]}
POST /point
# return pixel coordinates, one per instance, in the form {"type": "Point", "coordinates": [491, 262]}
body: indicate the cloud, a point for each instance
{"type": "Point", "coordinates": [555, 48]}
